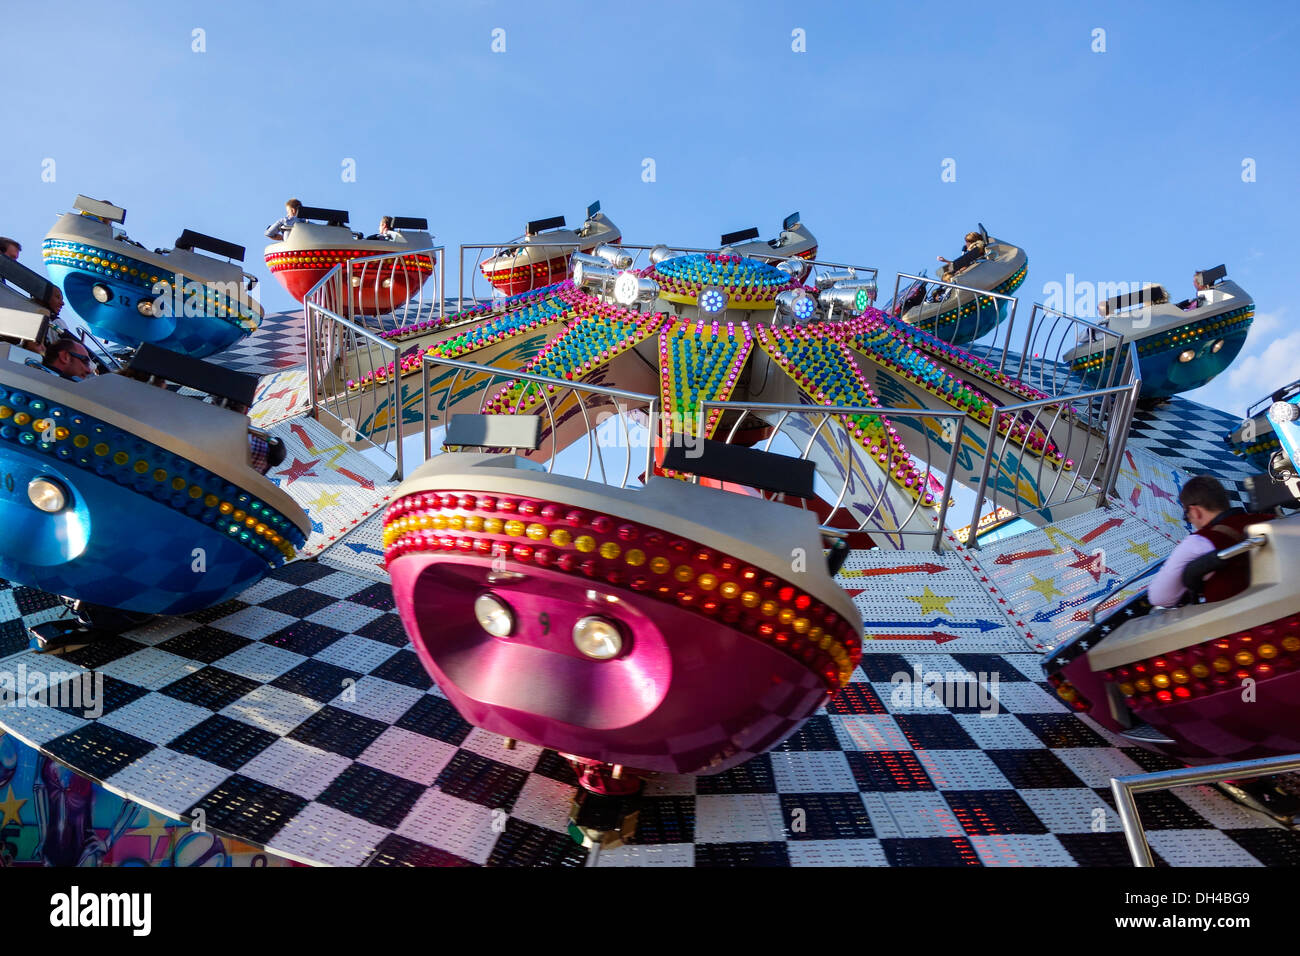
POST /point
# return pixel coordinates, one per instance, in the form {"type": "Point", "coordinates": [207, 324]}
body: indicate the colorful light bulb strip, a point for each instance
{"type": "Point", "coordinates": [821, 365]}
{"type": "Point", "coordinates": [1216, 666]}
{"type": "Point", "coordinates": [1178, 338]}
{"type": "Point", "coordinates": [700, 361]}
{"type": "Point", "coordinates": [602, 332]}
{"type": "Point", "coordinates": [677, 571]}
{"type": "Point", "coordinates": [326, 259]}
{"type": "Point", "coordinates": [542, 270]}
{"type": "Point", "coordinates": [509, 313]}
{"type": "Point", "coordinates": [957, 357]}
{"type": "Point", "coordinates": [747, 282]}
{"type": "Point", "coordinates": [143, 277]}
{"type": "Point", "coordinates": [884, 344]}
{"type": "Point", "coordinates": [73, 438]}
{"type": "Point", "coordinates": [526, 316]}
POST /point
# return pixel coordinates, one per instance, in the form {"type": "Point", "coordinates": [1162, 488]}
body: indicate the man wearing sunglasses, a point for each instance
{"type": "Point", "coordinates": [69, 359]}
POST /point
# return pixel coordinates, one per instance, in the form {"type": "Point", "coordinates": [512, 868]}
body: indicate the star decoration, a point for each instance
{"type": "Point", "coordinates": [1141, 549]}
{"type": "Point", "coordinates": [156, 829]}
{"type": "Point", "coordinates": [10, 807]}
{"type": "Point", "coordinates": [930, 602]}
{"type": "Point", "coordinates": [299, 469]}
{"type": "Point", "coordinates": [1092, 563]}
{"type": "Point", "coordinates": [327, 499]}
{"type": "Point", "coordinates": [1045, 586]}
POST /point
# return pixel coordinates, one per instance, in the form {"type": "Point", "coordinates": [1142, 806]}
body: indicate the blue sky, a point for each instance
{"type": "Point", "coordinates": [1117, 166]}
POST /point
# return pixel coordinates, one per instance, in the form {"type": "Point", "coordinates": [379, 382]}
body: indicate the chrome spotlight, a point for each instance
{"type": "Point", "coordinates": [869, 285]}
{"type": "Point", "coordinates": [629, 288]}
{"type": "Point", "coordinates": [661, 252]}
{"type": "Point", "coordinates": [588, 259]}
{"type": "Point", "coordinates": [797, 304]}
{"type": "Point", "coordinates": [593, 277]}
{"type": "Point", "coordinates": [614, 256]}
{"type": "Point", "coordinates": [1283, 412]}
{"type": "Point", "coordinates": [792, 267]}
{"type": "Point", "coordinates": [846, 300]}
{"type": "Point", "coordinates": [825, 280]}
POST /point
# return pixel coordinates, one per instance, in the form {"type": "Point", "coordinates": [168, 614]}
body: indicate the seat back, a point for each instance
{"type": "Point", "coordinates": [226, 384]}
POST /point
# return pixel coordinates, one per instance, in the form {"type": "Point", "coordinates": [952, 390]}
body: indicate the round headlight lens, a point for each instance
{"type": "Point", "coordinates": [356, 282]}
{"type": "Point", "coordinates": [387, 283]}
{"type": "Point", "coordinates": [1217, 345]}
{"type": "Point", "coordinates": [1187, 355]}
{"type": "Point", "coordinates": [494, 615]}
{"type": "Point", "coordinates": [47, 494]}
{"type": "Point", "coordinates": [598, 638]}
{"type": "Point", "coordinates": [101, 292]}
{"type": "Point", "coordinates": [145, 308]}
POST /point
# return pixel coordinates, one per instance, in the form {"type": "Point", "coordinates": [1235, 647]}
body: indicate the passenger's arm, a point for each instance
{"type": "Point", "coordinates": [1166, 588]}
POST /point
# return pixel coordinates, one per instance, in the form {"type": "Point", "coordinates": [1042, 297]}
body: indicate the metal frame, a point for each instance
{"type": "Point", "coordinates": [832, 413]}
{"type": "Point", "coordinates": [571, 245]}
{"type": "Point", "coordinates": [1126, 789]}
{"type": "Point", "coordinates": [327, 326]}
{"type": "Point", "coordinates": [996, 296]}
{"type": "Point", "coordinates": [550, 399]}
{"type": "Point", "coordinates": [405, 306]}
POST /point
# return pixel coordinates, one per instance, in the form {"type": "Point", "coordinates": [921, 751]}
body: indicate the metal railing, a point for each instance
{"type": "Point", "coordinates": [562, 403]}
{"type": "Point", "coordinates": [388, 288]}
{"type": "Point", "coordinates": [339, 350]}
{"type": "Point", "coordinates": [838, 452]}
{"type": "Point", "coordinates": [1096, 451]}
{"type": "Point", "coordinates": [640, 255]}
{"type": "Point", "coordinates": [476, 272]}
{"type": "Point", "coordinates": [953, 299]}
{"type": "Point", "coordinates": [1126, 789]}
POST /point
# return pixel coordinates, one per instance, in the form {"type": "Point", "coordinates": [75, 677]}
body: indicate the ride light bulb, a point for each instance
{"type": "Point", "coordinates": [101, 292]}
{"type": "Point", "coordinates": [597, 638]}
{"type": "Point", "coordinates": [48, 495]}
{"type": "Point", "coordinates": [494, 615]}
{"type": "Point", "coordinates": [1186, 355]}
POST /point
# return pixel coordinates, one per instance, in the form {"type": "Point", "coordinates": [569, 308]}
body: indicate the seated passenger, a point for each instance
{"type": "Point", "coordinates": [67, 358]}
{"type": "Point", "coordinates": [278, 228]}
{"type": "Point", "coordinates": [974, 243]}
{"type": "Point", "coordinates": [1218, 525]}
{"type": "Point", "coordinates": [385, 229]}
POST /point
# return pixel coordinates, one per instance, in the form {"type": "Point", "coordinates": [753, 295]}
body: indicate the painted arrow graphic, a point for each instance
{"type": "Point", "coordinates": [1101, 529]}
{"type": "Point", "coordinates": [362, 548]}
{"type": "Point", "coordinates": [1046, 614]}
{"type": "Point", "coordinates": [365, 483]}
{"type": "Point", "coordinates": [901, 569]}
{"type": "Point", "coordinates": [937, 636]}
{"type": "Point", "coordinates": [1014, 556]}
{"type": "Point", "coordinates": [870, 627]}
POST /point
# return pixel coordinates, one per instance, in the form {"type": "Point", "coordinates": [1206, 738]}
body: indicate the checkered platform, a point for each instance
{"type": "Point", "coordinates": [279, 342]}
{"type": "Point", "coordinates": [1189, 436]}
{"type": "Point", "coordinates": [298, 718]}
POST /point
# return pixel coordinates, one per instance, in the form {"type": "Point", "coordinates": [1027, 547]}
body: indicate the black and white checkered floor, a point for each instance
{"type": "Point", "coordinates": [297, 717]}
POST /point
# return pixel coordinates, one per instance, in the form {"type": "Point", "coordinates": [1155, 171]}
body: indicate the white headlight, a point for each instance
{"type": "Point", "coordinates": [145, 308]}
{"type": "Point", "coordinates": [101, 292]}
{"type": "Point", "coordinates": [494, 615]}
{"type": "Point", "coordinates": [1187, 355]}
{"type": "Point", "coordinates": [47, 494]}
{"type": "Point", "coordinates": [598, 638]}
{"type": "Point", "coordinates": [1217, 345]}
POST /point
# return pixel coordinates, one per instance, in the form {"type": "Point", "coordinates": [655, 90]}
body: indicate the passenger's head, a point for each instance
{"type": "Point", "coordinates": [385, 224]}
{"type": "Point", "coordinates": [292, 207]}
{"type": "Point", "coordinates": [9, 247]}
{"type": "Point", "coordinates": [1203, 499]}
{"type": "Point", "coordinates": [974, 237]}
{"type": "Point", "coordinates": [69, 358]}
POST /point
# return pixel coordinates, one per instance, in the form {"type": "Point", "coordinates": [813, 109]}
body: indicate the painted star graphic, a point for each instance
{"type": "Point", "coordinates": [1141, 549]}
{"type": "Point", "coordinates": [327, 499]}
{"type": "Point", "coordinates": [1045, 586]}
{"type": "Point", "coordinates": [1158, 491]}
{"type": "Point", "coordinates": [155, 830]}
{"type": "Point", "coordinates": [10, 807]}
{"type": "Point", "coordinates": [299, 469]}
{"type": "Point", "coordinates": [1091, 563]}
{"type": "Point", "coordinates": [931, 602]}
